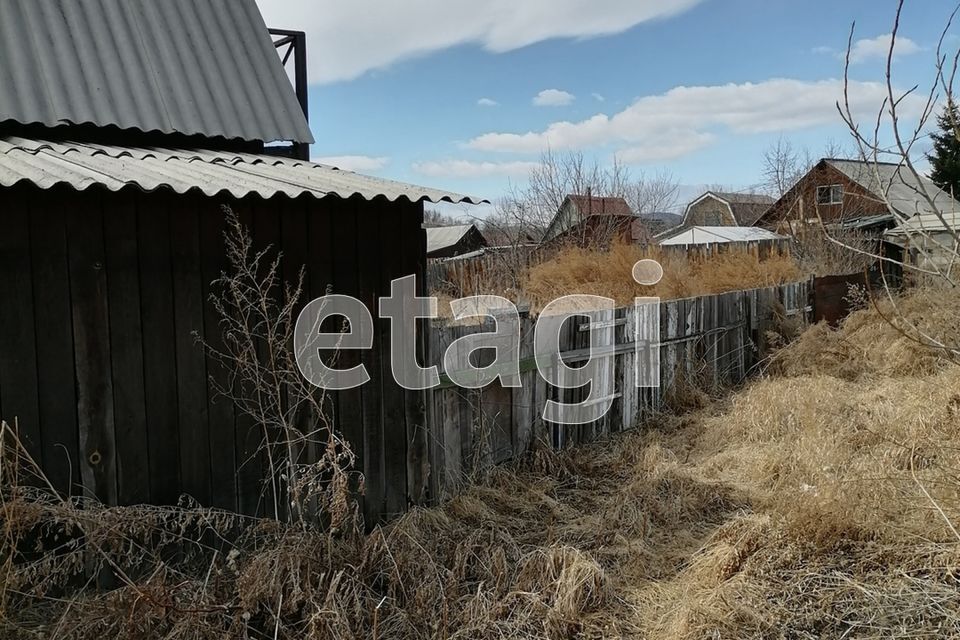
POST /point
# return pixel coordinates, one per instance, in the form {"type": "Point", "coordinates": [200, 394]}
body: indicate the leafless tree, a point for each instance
{"type": "Point", "coordinates": [654, 193]}
{"type": "Point", "coordinates": [433, 218]}
{"type": "Point", "coordinates": [894, 137]}
{"type": "Point", "coordinates": [783, 166]}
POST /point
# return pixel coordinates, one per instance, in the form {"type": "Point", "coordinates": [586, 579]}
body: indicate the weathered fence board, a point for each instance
{"type": "Point", "coordinates": [714, 340]}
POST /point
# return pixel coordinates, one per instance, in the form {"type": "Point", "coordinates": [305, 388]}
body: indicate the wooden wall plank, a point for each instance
{"type": "Point", "coordinates": [294, 243]}
{"type": "Point", "coordinates": [88, 285]}
{"type": "Point", "coordinates": [55, 362]}
{"type": "Point", "coordinates": [253, 487]}
{"type": "Point", "coordinates": [188, 303]}
{"type": "Point", "coordinates": [159, 359]}
{"type": "Point", "coordinates": [369, 277]}
{"type": "Point", "coordinates": [126, 348]}
{"type": "Point", "coordinates": [221, 419]}
{"type": "Point", "coordinates": [413, 248]}
{"type": "Point", "coordinates": [18, 339]}
{"type": "Point", "coordinates": [346, 250]}
{"type": "Point", "coordinates": [394, 426]}
{"type": "Point", "coordinates": [265, 227]}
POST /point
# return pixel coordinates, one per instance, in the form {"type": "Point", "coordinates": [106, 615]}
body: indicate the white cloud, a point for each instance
{"type": "Point", "coordinates": [470, 169]}
{"type": "Point", "coordinates": [553, 98]}
{"type": "Point", "coordinates": [685, 119]}
{"type": "Point", "coordinates": [354, 163]}
{"type": "Point", "coordinates": [598, 97]}
{"type": "Point", "coordinates": [347, 39]}
{"type": "Point", "coordinates": [487, 102]}
{"type": "Point", "coordinates": [878, 48]}
{"type": "Point", "coordinates": [668, 146]}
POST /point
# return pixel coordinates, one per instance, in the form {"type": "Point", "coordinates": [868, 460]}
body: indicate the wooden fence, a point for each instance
{"type": "Point", "coordinates": [714, 340]}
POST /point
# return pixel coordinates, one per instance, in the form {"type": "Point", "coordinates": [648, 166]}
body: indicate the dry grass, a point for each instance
{"type": "Point", "coordinates": [814, 503]}
{"type": "Point", "coordinates": [888, 338]}
{"type": "Point", "coordinates": [609, 274]}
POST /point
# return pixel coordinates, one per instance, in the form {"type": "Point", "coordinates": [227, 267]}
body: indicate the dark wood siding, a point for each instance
{"type": "Point", "coordinates": [800, 203]}
{"type": "Point", "coordinates": [101, 368]}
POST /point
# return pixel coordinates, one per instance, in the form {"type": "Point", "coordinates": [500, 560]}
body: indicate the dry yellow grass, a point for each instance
{"type": "Point", "coordinates": [609, 274]}
{"type": "Point", "coordinates": [813, 503]}
{"type": "Point", "coordinates": [887, 338]}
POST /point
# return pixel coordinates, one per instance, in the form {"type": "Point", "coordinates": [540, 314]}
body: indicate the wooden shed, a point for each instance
{"type": "Point", "coordinates": [116, 156]}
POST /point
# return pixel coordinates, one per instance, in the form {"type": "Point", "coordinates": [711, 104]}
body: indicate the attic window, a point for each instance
{"type": "Point", "coordinates": [832, 194]}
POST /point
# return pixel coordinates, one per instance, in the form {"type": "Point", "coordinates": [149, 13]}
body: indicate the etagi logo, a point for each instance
{"type": "Point", "coordinates": [403, 308]}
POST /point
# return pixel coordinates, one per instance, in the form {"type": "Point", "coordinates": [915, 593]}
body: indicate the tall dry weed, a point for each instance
{"type": "Point", "coordinates": [610, 274]}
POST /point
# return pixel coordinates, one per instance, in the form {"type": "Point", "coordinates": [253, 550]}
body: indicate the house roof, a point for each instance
{"type": "Point", "coordinates": [747, 208]}
{"type": "Point", "coordinates": [47, 164]}
{"type": "Point", "coordinates": [192, 67]}
{"type": "Point", "coordinates": [719, 235]}
{"type": "Point", "coordinates": [601, 206]}
{"type": "Point", "coordinates": [660, 221]}
{"type": "Point", "coordinates": [903, 190]}
{"type": "Point", "coordinates": [439, 238]}
{"type": "Point", "coordinates": [927, 223]}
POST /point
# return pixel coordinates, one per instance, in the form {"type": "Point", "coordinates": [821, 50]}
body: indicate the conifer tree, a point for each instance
{"type": "Point", "coordinates": [945, 156]}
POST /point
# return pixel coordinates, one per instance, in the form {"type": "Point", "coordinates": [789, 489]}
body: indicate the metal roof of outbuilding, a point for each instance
{"type": "Point", "coordinates": [444, 237]}
{"type": "Point", "coordinates": [719, 235]}
{"type": "Point", "coordinates": [192, 67]}
{"type": "Point", "coordinates": [47, 164]}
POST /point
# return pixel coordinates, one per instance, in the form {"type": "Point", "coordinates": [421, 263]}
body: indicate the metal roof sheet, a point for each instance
{"type": "Point", "coordinates": [904, 192]}
{"type": "Point", "coordinates": [719, 235]}
{"type": "Point", "coordinates": [195, 67]}
{"type": "Point", "coordinates": [443, 237]}
{"type": "Point", "coordinates": [82, 165]}
{"type": "Point", "coordinates": [927, 223]}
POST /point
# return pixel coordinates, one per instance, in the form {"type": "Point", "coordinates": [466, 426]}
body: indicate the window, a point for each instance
{"type": "Point", "coordinates": [832, 194]}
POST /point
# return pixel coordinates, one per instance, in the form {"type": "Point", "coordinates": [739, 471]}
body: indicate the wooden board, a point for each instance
{"type": "Point", "coordinates": [94, 374]}
{"type": "Point", "coordinates": [55, 359]}
{"type": "Point", "coordinates": [126, 354]}
{"type": "Point", "coordinates": [188, 303]}
{"type": "Point", "coordinates": [159, 356]}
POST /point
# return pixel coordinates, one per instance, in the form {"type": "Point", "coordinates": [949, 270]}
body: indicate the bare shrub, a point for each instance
{"type": "Point", "coordinates": [839, 253]}
{"type": "Point", "coordinates": [308, 462]}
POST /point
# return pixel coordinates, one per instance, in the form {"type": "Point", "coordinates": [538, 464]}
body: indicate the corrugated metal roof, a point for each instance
{"type": "Point", "coordinates": [601, 206]}
{"type": "Point", "coordinates": [196, 67]}
{"type": "Point", "coordinates": [82, 165]}
{"type": "Point", "coordinates": [927, 223]}
{"type": "Point", "coordinates": [443, 237]}
{"type": "Point", "coordinates": [744, 198]}
{"type": "Point", "coordinates": [719, 235]}
{"type": "Point", "coordinates": [903, 191]}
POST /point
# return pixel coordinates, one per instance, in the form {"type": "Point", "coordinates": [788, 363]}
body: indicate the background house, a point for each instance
{"type": "Point", "coordinates": [929, 241]}
{"type": "Point", "coordinates": [717, 209]}
{"type": "Point", "coordinates": [124, 129]}
{"type": "Point", "coordinates": [661, 221]}
{"type": "Point", "coordinates": [859, 195]}
{"type": "Point", "coordinates": [448, 242]}
{"type": "Point", "coordinates": [586, 219]}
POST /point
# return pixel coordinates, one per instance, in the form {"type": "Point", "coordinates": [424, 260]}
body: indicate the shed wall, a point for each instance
{"type": "Point", "coordinates": [102, 293]}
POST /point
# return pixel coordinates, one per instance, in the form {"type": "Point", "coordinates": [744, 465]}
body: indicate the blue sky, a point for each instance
{"type": "Point", "coordinates": [443, 92]}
